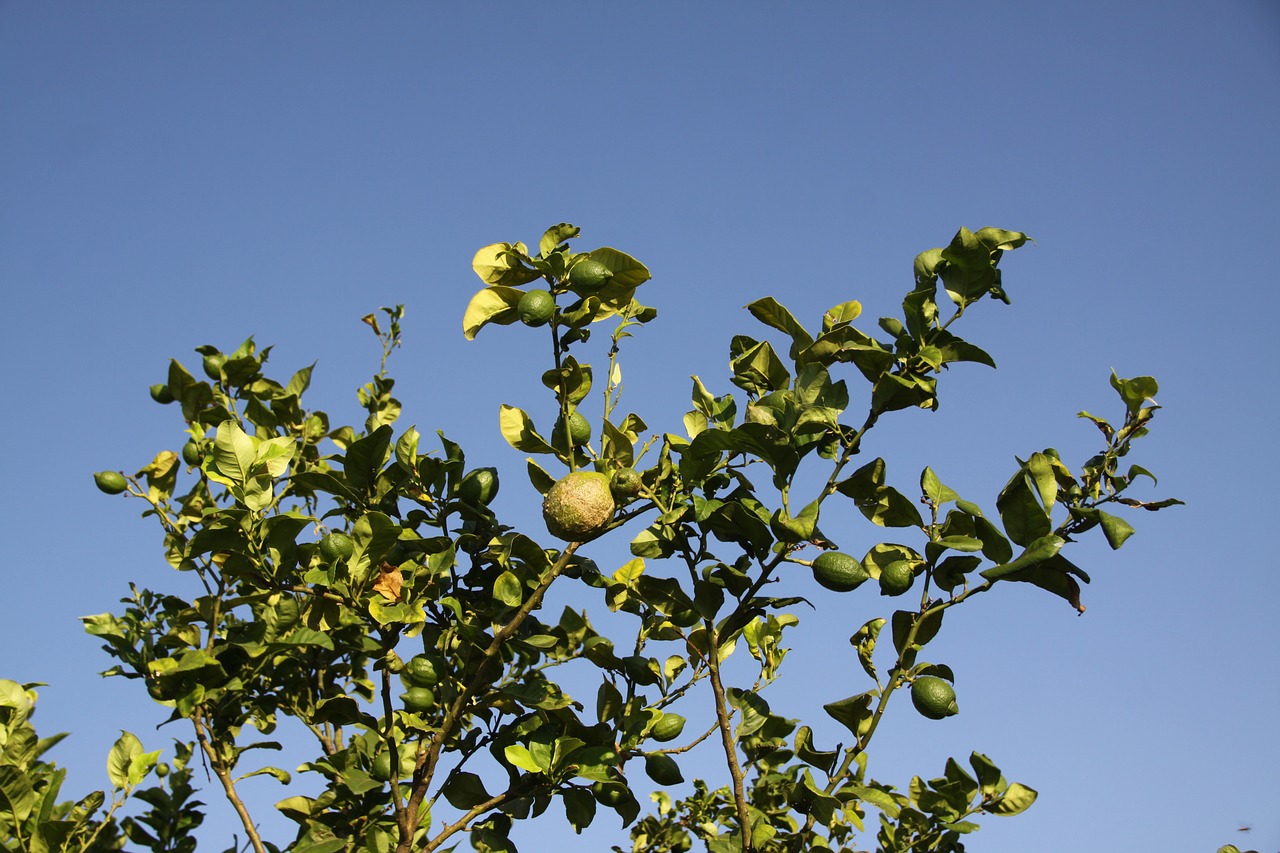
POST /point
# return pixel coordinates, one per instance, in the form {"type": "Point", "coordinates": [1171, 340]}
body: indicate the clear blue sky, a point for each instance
{"type": "Point", "coordinates": [179, 174]}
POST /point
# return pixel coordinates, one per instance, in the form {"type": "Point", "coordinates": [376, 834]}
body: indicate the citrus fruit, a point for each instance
{"type": "Point", "coordinates": [213, 365]}
{"type": "Point", "coordinates": [626, 483]}
{"type": "Point", "coordinates": [382, 766]}
{"type": "Point", "coordinates": [896, 578]}
{"type": "Point", "coordinates": [336, 546]}
{"type": "Point", "coordinates": [111, 482]}
{"type": "Point", "coordinates": [609, 793]}
{"type": "Point", "coordinates": [934, 697]}
{"type": "Point", "coordinates": [668, 728]}
{"type": "Point", "coordinates": [161, 394]}
{"type": "Point", "coordinates": [479, 487]}
{"type": "Point", "coordinates": [662, 768]}
{"type": "Point", "coordinates": [191, 452]}
{"type": "Point", "coordinates": [579, 429]}
{"type": "Point", "coordinates": [421, 671]}
{"type": "Point", "coordinates": [578, 506]}
{"type": "Point", "coordinates": [418, 699]}
{"type": "Point", "coordinates": [589, 275]}
{"type": "Point", "coordinates": [838, 572]}
{"type": "Point", "coordinates": [536, 308]}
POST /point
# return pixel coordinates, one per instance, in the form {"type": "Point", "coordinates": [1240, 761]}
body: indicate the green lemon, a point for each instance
{"type": "Point", "coordinates": [479, 487]}
{"type": "Point", "coordinates": [111, 482]}
{"type": "Point", "coordinates": [662, 768]}
{"type": "Point", "coordinates": [191, 452]}
{"type": "Point", "coordinates": [668, 728]}
{"type": "Point", "coordinates": [838, 572]}
{"type": "Point", "coordinates": [934, 697]}
{"type": "Point", "coordinates": [421, 671]}
{"type": "Point", "coordinates": [579, 429]}
{"type": "Point", "coordinates": [536, 308]}
{"type": "Point", "coordinates": [161, 394]}
{"type": "Point", "coordinates": [589, 275]}
{"type": "Point", "coordinates": [336, 546]}
{"type": "Point", "coordinates": [418, 699]}
{"type": "Point", "coordinates": [896, 578]}
{"type": "Point", "coordinates": [626, 483]}
{"type": "Point", "coordinates": [578, 506]}
{"type": "Point", "coordinates": [609, 793]}
{"type": "Point", "coordinates": [213, 365]}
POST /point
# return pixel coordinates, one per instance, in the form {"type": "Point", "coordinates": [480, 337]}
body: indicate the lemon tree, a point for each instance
{"type": "Point", "coordinates": [356, 583]}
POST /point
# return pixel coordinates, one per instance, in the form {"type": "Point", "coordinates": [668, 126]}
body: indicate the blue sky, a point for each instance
{"type": "Point", "coordinates": [180, 174]}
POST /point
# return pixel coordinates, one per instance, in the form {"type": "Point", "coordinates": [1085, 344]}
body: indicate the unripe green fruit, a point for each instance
{"type": "Point", "coordinates": [421, 671]}
{"type": "Point", "coordinates": [663, 769]}
{"type": "Point", "coordinates": [110, 482]}
{"type": "Point", "coordinates": [578, 506]}
{"type": "Point", "coordinates": [934, 697]}
{"type": "Point", "coordinates": [579, 429]}
{"type": "Point", "coordinates": [162, 770]}
{"type": "Point", "coordinates": [609, 793]}
{"type": "Point", "coordinates": [479, 487]}
{"type": "Point", "coordinates": [896, 578]}
{"type": "Point", "coordinates": [213, 365]}
{"type": "Point", "coordinates": [336, 546]}
{"type": "Point", "coordinates": [381, 769]}
{"type": "Point", "coordinates": [589, 275]}
{"type": "Point", "coordinates": [626, 483]}
{"type": "Point", "coordinates": [668, 728]}
{"type": "Point", "coordinates": [838, 572]}
{"type": "Point", "coordinates": [191, 452]}
{"type": "Point", "coordinates": [536, 308]}
{"type": "Point", "coordinates": [161, 394]}
{"type": "Point", "coordinates": [418, 699]}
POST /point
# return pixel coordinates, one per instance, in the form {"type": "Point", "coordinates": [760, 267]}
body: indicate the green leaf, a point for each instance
{"type": "Point", "coordinates": [555, 235]}
{"type": "Point", "coordinates": [968, 272]}
{"type": "Point", "coordinates": [772, 313]}
{"type": "Point", "coordinates": [1037, 552]}
{"type": "Point", "coordinates": [628, 273]}
{"type": "Point", "coordinates": [824, 760]}
{"type": "Point", "coordinates": [1116, 529]}
{"type": "Point", "coordinates": [281, 776]}
{"type": "Point", "coordinates": [119, 760]}
{"type": "Point", "coordinates": [503, 264]}
{"type": "Point", "coordinates": [579, 807]}
{"type": "Point", "coordinates": [1040, 467]}
{"type": "Point", "coordinates": [881, 504]}
{"type": "Point", "coordinates": [933, 488]}
{"type": "Point", "coordinates": [517, 429]}
{"type": "Point", "coordinates": [841, 315]}
{"type": "Point", "coordinates": [799, 528]}
{"type": "Point", "coordinates": [233, 455]}
{"type": "Point", "coordinates": [864, 640]}
{"type": "Point", "coordinates": [366, 456]}
{"type": "Point", "coordinates": [854, 712]}
{"type": "Point", "coordinates": [1016, 800]}
{"type": "Point", "coordinates": [1024, 518]}
{"type": "Point", "coordinates": [518, 755]}
{"type": "Point", "coordinates": [759, 370]}
{"type": "Point", "coordinates": [1136, 391]}
{"type": "Point", "coordinates": [508, 589]}
{"type": "Point", "coordinates": [407, 449]}
{"type": "Point", "coordinates": [464, 790]}
{"type": "Point", "coordinates": [495, 305]}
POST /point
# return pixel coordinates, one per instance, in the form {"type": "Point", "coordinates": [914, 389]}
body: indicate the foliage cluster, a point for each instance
{"type": "Point", "coordinates": [355, 585]}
